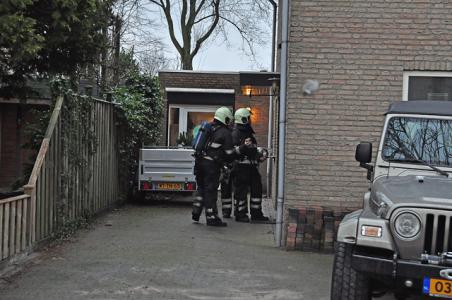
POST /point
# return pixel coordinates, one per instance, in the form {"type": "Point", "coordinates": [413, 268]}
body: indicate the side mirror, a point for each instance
{"type": "Point", "coordinates": [363, 153]}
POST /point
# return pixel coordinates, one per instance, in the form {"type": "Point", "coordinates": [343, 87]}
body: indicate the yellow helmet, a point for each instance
{"type": "Point", "coordinates": [242, 116]}
{"type": "Point", "coordinates": [224, 115]}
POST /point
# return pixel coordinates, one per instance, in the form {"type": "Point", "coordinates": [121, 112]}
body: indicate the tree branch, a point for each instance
{"type": "Point", "coordinates": [183, 15]}
{"type": "Point", "coordinates": [202, 39]}
{"type": "Point", "coordinates": [185, 28]}
{"type": "Point", "coordinates": [242, 34]}
{"type": "Point", "coordinates": [159, 3]}
{"type": "Point", "coordinates": [202, 19]}
{"type": "Point", "coordinates": [169, 19]}
{"type": "Point", "coordinates": [200, 7]}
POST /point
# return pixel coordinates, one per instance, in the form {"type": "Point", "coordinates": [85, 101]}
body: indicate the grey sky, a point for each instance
{"type": "Point", "coordinates": [217, 55]}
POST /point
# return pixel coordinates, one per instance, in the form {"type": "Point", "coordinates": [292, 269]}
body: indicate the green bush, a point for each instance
{"type": "Point", "coordinates": [141, 111]}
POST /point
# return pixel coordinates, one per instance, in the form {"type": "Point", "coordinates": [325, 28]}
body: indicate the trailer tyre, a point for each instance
{"type": "Point", "coordinates": [347, 284]}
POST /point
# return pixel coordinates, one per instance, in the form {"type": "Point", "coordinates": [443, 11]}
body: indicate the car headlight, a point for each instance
{"type": "Point", "coordinates": [407, 225]}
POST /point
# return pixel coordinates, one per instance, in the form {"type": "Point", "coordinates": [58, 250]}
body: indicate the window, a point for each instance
{"type": "Point", "coordinates": [427, 86]}
{"type": "Point", "coordinates": [184, 119]}
{"type": "Point", "coordinates": [411, 139]}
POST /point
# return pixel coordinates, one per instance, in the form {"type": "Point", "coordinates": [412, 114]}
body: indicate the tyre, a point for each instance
{"type": "Point", "coordinates": [347, 284]}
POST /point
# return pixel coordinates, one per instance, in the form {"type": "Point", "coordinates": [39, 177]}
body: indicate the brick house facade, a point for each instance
{"type": "Point", "coordinates": [363, 54]}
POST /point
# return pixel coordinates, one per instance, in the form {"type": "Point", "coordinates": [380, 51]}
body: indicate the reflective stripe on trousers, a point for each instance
{"type": "Point", "coordinates": [256, 203]}
{"type": "Point", "coordinates": [242, 205]}
{"type": "Point", "coordinates": [197, 205]}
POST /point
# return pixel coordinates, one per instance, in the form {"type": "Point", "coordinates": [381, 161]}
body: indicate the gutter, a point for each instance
{"type": "Point", "coordinates": [282, 123]}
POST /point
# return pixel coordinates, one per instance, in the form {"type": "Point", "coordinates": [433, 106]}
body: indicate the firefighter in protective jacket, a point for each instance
{"type": "Point", "coordinates": [218, 151]}
{"type": "Point", "coordinates": [246, 174]}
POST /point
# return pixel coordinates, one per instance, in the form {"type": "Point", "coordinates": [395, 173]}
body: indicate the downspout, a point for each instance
{"type": "Point", "coordinates": [270, 105]}
{"type": "Point", "coordinates": [282, 123]}
{"type": "Point", "coordinates": [275, 15]}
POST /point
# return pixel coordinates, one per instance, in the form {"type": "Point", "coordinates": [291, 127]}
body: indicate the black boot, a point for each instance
{"type": "Point", "coordinates": [197, 208]}
{"type": "Point", "coordinates": [195, 217]}
{"type": "Point", "coordinates": [258, 217]}
{"type": "Point", "coordinates": [215, 221]}
{"type": "Point", "coordinates": [242, 218]}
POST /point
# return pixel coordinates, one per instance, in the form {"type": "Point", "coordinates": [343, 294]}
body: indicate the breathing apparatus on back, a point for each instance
{"type": "Point", "coordinates": [205, 133]}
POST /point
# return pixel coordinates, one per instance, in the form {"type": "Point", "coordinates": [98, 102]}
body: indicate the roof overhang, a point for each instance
{"type": "Point", "coordinates": [199, 90]}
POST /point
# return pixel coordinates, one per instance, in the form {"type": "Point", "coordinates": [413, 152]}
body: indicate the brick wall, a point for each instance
{"type": "Point", "coordinates": [314, 228]}
{"type": "Point", "coordinates": [358, 51]}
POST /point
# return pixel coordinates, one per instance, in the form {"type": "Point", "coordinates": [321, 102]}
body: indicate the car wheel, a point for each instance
{"type": "Point", "coordinates": [347, 284]}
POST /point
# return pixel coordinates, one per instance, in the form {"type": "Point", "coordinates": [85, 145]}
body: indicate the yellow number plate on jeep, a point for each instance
{"type": "Point", "coordinates": [437, 287]}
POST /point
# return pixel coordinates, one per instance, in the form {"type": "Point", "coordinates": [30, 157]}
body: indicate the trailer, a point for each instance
{"type": "Point", "coordinates": [166, 170]}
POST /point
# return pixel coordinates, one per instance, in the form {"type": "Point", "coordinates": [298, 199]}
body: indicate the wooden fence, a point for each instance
{"type": "Point", "coordinates": [75, 175]}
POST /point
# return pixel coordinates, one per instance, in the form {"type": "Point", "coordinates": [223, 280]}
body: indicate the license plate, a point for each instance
{"type": "Point", "coordinates": [438, 287]}
{"type": "Point", "coordinates": [169, 186]}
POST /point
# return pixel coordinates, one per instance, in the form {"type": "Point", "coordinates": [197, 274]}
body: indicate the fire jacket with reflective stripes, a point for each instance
{"type": "Point", "coordinates": [240, 133]}
{"type": "Point", "coordinates": [220, 147]}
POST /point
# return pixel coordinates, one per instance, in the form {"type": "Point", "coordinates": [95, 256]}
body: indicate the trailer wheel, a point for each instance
{"type": "Point", "coordinates": [347, 284]}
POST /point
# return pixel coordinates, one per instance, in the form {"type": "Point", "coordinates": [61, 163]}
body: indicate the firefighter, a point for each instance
{"type": "Point", "coordinates": [246, 174]}
{"type": "Point", "coordinates": [208, 165]}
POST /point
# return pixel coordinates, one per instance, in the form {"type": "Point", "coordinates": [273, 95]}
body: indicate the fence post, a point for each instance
{"type": "Point", "coordinates": [31, 190]}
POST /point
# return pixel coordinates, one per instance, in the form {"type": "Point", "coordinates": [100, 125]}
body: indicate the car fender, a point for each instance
{"type": "Point", "coordinates": [347, 231]}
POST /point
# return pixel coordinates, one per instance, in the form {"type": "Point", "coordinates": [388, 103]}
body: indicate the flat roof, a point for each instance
{"type": "Point", "coordinates": [218, 72]}
{"type": "Point", "coordinates": [424, 107]}
{"type": "Point", "coordinates": [199, 90]}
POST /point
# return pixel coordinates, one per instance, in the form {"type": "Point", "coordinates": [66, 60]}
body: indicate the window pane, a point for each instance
{"type": "Point", "coordinates": [429, 88]}
{"type": "Point", "coordinates": [409, 139]}
{"type": "Point", "coordinates": [173, 126]}
{"type": "Point", "coordinates": [195, 118]}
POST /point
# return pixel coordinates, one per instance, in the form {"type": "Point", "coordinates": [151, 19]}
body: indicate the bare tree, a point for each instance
{"type": "Point", "coordinates": [152, 59]}
{"type": "Point", "coordinates": [192, 23]}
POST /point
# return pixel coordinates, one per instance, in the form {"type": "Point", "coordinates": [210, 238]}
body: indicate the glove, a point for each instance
{"type": "Point", "coordinates": [262, 154]}
{"type": "Point", "coordinates": [251, 152]}
{"type": "Point", "coordinates": [248, 150]}
{"type": "Point", "coordinates": [241, 149]}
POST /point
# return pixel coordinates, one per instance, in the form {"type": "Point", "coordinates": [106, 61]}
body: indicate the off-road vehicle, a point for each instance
{"type": "Point", "coordinates": [401, 240]}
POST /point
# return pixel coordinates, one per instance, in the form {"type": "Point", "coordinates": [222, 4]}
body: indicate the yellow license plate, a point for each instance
{"type": "Point", "coordinates": [169, 186]}
{"type": "Point", "coordinates": [438, 287]}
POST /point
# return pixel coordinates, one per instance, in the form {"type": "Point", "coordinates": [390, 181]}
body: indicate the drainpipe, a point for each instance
{"type": "Point", "coordinates": [282, 123]}
{"type": "Point", "coordinates": [270, 105]}
{"type": "Point", "coordinates": [275, 15]}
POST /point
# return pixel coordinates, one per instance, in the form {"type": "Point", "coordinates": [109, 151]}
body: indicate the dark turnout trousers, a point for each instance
{"type": "Point", "coordinates": [247, 178]}
{"type": "Point", "coordinates": [207, 179]}
{"type": "Point", "coordinates": [226, 196]}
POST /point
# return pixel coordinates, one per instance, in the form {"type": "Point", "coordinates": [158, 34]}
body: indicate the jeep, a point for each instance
{"type": "Point", "coordinates": [401, 240]}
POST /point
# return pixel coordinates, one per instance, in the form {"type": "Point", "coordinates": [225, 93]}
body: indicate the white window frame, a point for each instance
{"type": "Point", "coordinates": [407, 75]}
{"type": "Point", "coordinates": [184, 109]}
